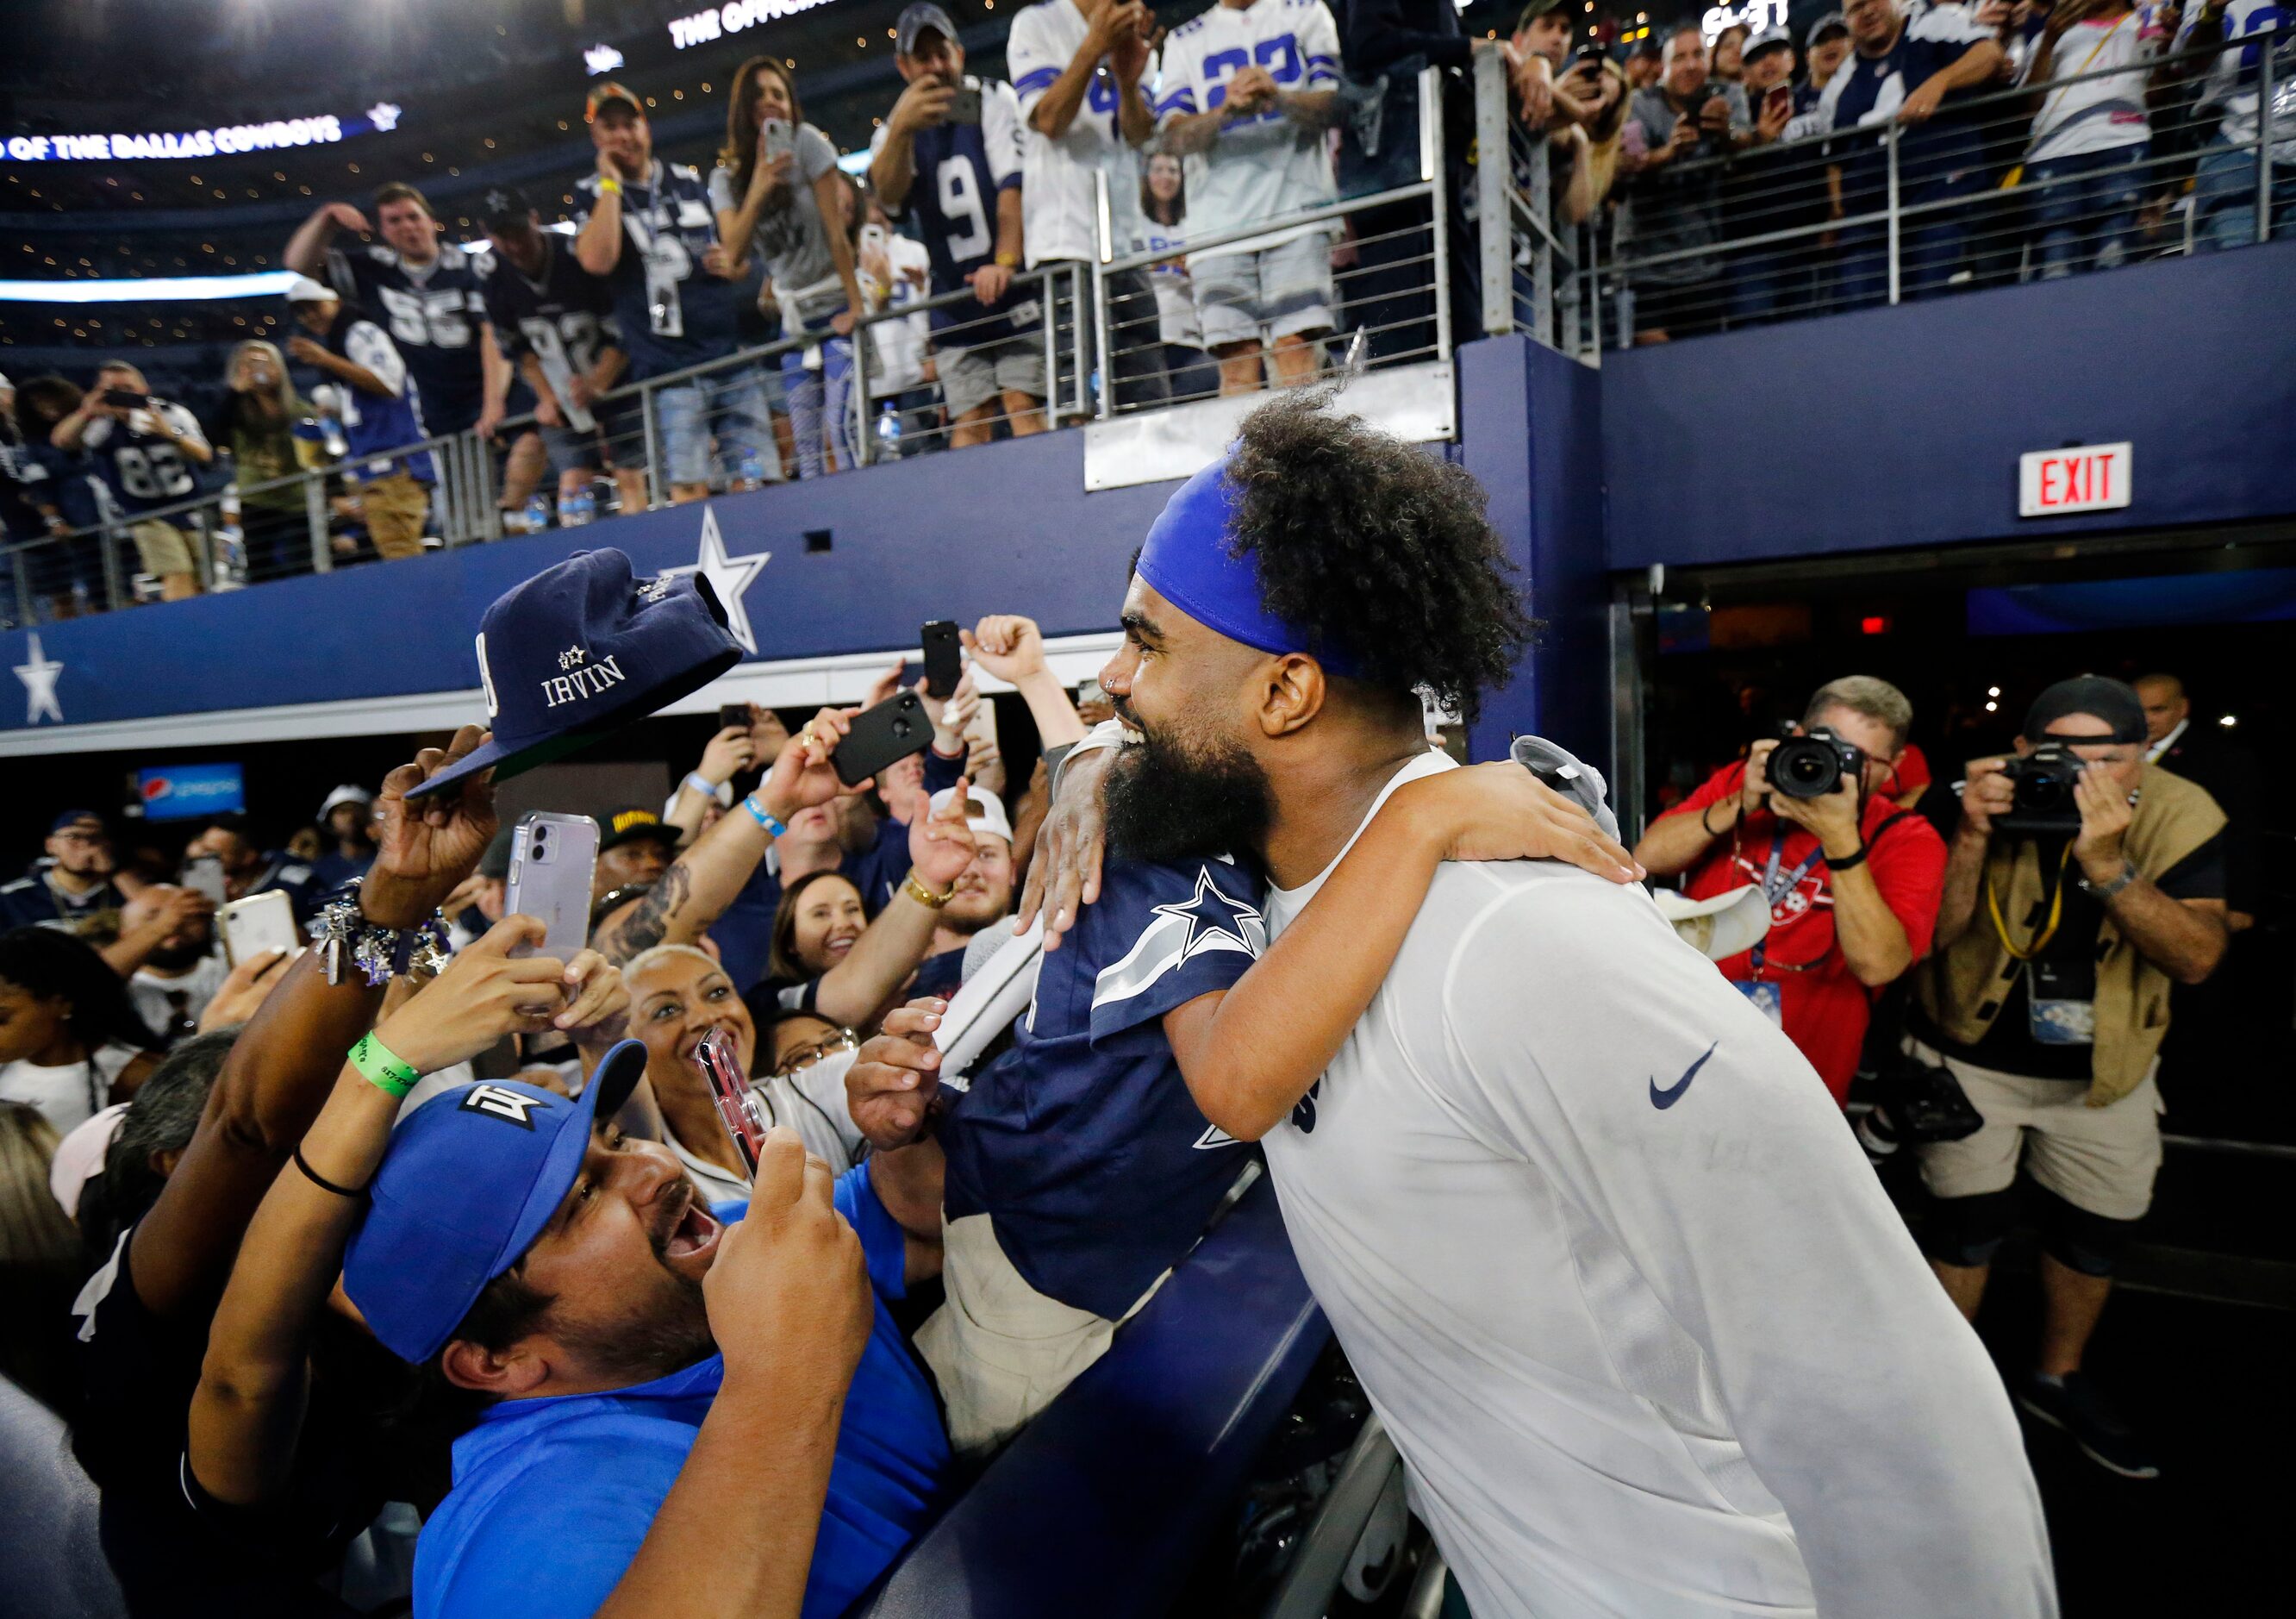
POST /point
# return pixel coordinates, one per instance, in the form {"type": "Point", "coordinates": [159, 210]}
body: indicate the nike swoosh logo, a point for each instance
{"type": "Point", "coordinates": [1663, 1099]}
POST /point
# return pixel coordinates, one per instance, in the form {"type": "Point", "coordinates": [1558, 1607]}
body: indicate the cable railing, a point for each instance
{"type": "Point", "coordinates": [2085, 170]}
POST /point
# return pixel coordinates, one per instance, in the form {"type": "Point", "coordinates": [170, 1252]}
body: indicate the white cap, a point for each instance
{"type": "Point", "coordinates": [348, 793]}
{"type": "Point", "coordinates": [303, 289]}
{"type": "Point", "coordinates": [984, 811]}
{"type": "Point", "coordinates": [1719, 928]}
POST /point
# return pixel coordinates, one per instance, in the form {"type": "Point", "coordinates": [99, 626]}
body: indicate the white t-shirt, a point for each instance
{"type": "Point", "coordinates": [150, 991]}
{"type": "Point", "coordinates": [1621, 1287]}
{"type": "Point", "coordinates": [901, 343]}
{"type": "Point", "coordinates": [70, 1094]}
{"type": "Point", "coordinates": [1060, 209]}
{"type": "Point", "coordinates": [1271, 164]}
{"type": "Point", "coordinates": [2094, 114]}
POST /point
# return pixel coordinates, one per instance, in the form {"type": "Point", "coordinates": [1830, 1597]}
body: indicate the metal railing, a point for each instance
{"type": "Point", "coordinates": [1984, 194]}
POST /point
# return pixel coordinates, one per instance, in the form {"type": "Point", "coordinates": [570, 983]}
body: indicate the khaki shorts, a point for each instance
{"type": "Point", "coordinates": [2100, 1159]}
{"type": "Point", "coordinates": [984, 373]}
{"type": "Point", "coordinates": [1001, 1350]}
{"type": "Point", "coordinates": [163, 548]}
{"type": "Point", "coordinates": [396, 507]}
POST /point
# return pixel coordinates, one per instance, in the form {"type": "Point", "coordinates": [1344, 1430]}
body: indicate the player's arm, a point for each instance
{"type": "Point", "coordinates": [1249, 1054]}
{"type": "Point", "coordinates": [1682, 1125]}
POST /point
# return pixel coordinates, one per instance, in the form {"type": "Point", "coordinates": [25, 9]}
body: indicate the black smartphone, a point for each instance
{"type": "Point", "coordinates": [733, 714]}
{"type": "Point", "coordinates": [944, 657]}
{"type": "Point", "coordinates": [885, 735]}
{"type": "Point", "coordinates": [126, 399]}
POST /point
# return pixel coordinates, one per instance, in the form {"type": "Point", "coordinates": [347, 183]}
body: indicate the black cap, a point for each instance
{"type": "Point", "coordinates": [632, 824]}
{"type": "Point", "coordinates": [501, 205]}
{"type": "Point", "coordinates": [1647, 45]}
{"type": "Point", "coordinates": [2107, 699]}
{"type": "Point", "coordinates": [915, 19]}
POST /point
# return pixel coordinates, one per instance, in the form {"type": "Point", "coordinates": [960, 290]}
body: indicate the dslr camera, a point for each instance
{"type": "Point", "coordinates": [2043, 782]}
{"type": "Point", "coordinates": [1812, 765]}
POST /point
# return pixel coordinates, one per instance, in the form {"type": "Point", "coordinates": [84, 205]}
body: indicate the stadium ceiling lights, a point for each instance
{"type": "Point", "coordinates": [147, 289]}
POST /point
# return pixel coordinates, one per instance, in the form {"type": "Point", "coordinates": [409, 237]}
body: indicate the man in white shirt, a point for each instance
{"type": "Point", "coordinates": [1076, 65]}
{"type": "Point", "coordinates": [1645, 1330]}
{"type": "Point", "coordinates": [1251, 88]}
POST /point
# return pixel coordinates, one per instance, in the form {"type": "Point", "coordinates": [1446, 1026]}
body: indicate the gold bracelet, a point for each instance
{"type": "Point", "coordinates": [925, 896]}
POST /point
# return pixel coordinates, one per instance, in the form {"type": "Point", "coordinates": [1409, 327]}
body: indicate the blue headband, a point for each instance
{"type": "Point", "coordinates": [1190, 561]}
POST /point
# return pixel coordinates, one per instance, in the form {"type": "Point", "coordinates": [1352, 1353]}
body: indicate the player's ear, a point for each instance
{"type": "Point", "coordinates": [1292, 694]}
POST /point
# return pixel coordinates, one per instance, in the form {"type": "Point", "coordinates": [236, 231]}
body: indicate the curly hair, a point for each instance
{"type": "Point", "coordinates": [1377, 546]}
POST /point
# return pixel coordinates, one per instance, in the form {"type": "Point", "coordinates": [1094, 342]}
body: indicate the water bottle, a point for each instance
{"type": "Point", "coordinates": [79, 598]}
{"type": "Point", "coordinates": [576, 508]}
{"type": "Point", "coordinates": [888, 433]}
{"type": "Point", "coordinates": [230, 542]}
{"type": "Point", "coordinates": [537, 512]}
{"type": "Point", "coordinates": [753, 469]}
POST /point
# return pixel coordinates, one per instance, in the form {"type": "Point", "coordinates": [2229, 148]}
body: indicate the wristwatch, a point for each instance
{"type": "Point", "coordinates": [2105, 891]}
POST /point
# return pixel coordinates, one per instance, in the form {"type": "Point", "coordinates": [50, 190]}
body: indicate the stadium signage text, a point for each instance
{"type": "Point", "coordinates": [2082, 478]}
{"type": "Point", "coordinates": [277, 134]}
{"type": "Point", "coordinates": [1758, 16]}
{"type": "Point", "coordinates": [732, 18]}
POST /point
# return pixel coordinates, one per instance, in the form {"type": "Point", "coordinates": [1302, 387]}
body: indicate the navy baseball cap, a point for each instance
{"type": "Point", "coordinates": [581, 650]}
{"type": "Point", "coordinates": [73, 818]}
{"type": "Point", "coordinates": [2112, 701]}
{"type": "Point", "coordinates": [469, 1182]}
{"type": "Point", "coordinates": [915, 19]}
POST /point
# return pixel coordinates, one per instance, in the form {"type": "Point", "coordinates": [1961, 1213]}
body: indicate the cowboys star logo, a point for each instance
{"type": "Point", "coordinates": [500, 1102]}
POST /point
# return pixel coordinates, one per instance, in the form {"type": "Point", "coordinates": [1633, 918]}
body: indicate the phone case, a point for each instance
{"type": "Point", "coordinates": [894, 729]}
{"type": "Point", "coordinates": [738, 1109]}
{"type": "Point", "coordinates": [944, 657]}
{"type": "Point", "coordinates": [552, 861]}
{"type": "Point", "coordinates": [257, 924]}
{"type": "Point", "coordinates": [205, 874]}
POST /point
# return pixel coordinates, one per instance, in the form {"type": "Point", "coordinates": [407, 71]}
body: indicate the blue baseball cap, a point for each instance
{"type": "Point", "coordinates": [73, 818]}
{"type": "Point", "coordinates": [584, 648]}
{"type": "Point", "coordinates": [469, 1182]}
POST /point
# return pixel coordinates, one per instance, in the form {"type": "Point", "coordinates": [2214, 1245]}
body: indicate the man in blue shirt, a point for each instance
{"type": "Point", "coordinates": [646, 226]}
{"type": "Point", "coordinates": [955, 171]}
{"type": "Point", "coordinates": [682, 1404]}
{"type": "Point", "coordinates": [1903, 72]}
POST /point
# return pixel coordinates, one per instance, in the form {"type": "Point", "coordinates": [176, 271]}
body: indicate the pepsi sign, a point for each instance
{"type": "Point", "coordinates": [180, 792]}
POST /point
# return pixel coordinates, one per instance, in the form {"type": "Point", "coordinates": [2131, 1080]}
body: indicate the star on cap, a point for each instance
{"type": "Point", "coordinates": [730, 577]}
{"type": "Point", "coordinates": [38, 674]}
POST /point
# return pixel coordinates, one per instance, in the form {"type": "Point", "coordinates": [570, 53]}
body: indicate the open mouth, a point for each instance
{"type": "Point", "coordinates": [840, 946]}
{"type": "Point", "coordinates": [696, 1232]}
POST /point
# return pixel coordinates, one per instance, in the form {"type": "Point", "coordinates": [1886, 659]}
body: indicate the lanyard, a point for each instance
{"type": "Point", "coordinates": [2048, 930]}
{"type": "Point", "coordinates": [1775, 889]}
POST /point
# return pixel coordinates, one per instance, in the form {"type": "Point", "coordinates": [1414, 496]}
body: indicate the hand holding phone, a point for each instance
{"type": "Point", "coordinates": [944, 657]}
{"type": "Point", "coordinates": [258, 925]}
{"type": "Point", "coordinates": [553, 864]}
{"type": "Point", "coordinates": [882, 736]}
{"type": "Point", "coordinates": [738, 1108]}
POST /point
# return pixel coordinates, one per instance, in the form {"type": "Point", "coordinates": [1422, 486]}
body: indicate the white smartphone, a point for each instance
{"type": "Point", "coordinates": [553, 860]}
{"type": "Point", "coordinates": [205, 872]}
{"type": "Point", "coordinates": [258, 923]}
{"type": "Point", "coordinates": [776, 138]}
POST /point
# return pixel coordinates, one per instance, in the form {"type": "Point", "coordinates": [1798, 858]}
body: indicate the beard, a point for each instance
{"type": "Point", "coordinates": [662, 1330]}
{"type": "Point", "coordinates": [1168, 799]}
{"type": "Point", "coordinates": [176, 957]}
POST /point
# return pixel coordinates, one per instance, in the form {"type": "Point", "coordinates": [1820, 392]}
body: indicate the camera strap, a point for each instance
{"type": "Point", "coordinates": [1773, 888]}
{"type": "Point", "coordinates": [2048, 929]}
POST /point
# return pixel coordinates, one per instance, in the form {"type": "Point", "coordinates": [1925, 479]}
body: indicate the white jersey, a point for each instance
{"type": "Point", "coordinates": [2231, 85]}
{"type": "Point", "coordinates": [1060, 208]}
{"type": "Point", "coordinates": [161, 1000]}
{"type": "Point", "coordinates": [1266, 166]}
{"type": "Point", "coordinates": [2093, 114]}
{"type": "Point", "coordinates": [1650, 1337]}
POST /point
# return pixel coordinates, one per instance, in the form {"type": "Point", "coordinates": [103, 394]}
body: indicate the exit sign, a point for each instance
{"type": "Point", "coordinates": [2091, 478]}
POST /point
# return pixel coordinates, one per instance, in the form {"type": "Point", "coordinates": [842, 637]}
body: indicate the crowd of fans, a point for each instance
{"type": "Point", "coordinates": [985, 198]}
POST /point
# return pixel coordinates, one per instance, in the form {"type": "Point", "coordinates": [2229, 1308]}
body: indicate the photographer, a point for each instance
{"type": "Point", "coordinates": [1852, 880]}
{"type": "Point", "coordinates": [2083, 883]}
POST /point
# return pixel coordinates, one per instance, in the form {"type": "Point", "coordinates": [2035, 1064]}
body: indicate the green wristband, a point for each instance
{"type": "Point", "coordinates": [382, 1068]}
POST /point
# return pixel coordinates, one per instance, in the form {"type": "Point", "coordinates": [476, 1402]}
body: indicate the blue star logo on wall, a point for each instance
{"type": "Point", "coordinates": [730, 577]}
{"type": "Point", "coordinates": [1215, 921]}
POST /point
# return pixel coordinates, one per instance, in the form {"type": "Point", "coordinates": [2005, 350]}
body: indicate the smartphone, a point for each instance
{"type": "Point", "coordinates": [1778, 95]}
{"type": "Point", "coordinates": [738, 1108]}
{"type": "Point", "coordinates": [553, 860]}
{"type": "Point", "coordinates": [205, 872]}
{"type": "Point", "coordinates": [964, 106]}
{"type": "Point", "coordinates": [944, 657]}
{"type": "Point", "coordinates": [776, 138]}
{"type": "Point", "coordinates": [885, 735]}
{"type": "Point", "coordinates": [734, 714]}
{"type": "Point", "coordinates": [127, 398]}
{"type": "Point", "coordinates": [257, 924]}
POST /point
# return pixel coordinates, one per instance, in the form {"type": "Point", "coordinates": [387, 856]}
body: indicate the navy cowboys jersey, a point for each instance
{"type": "Point", "coordinates": [140, 465]}
{"type": "Point", "coordinates": [673, 313]}
{"type": "Point", "coordinates": [962, 169]}
{"type": "Point", "coordinates": [1082, 1142]}
{"type": "Point", "coordinates": [433, 317]}
{"type": "Point", "coordinates": [565, 318]}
